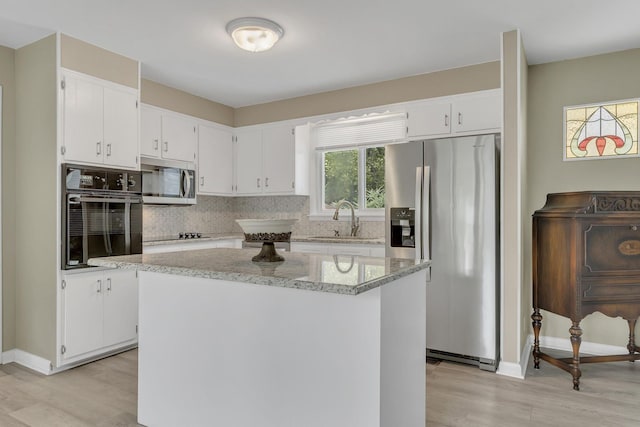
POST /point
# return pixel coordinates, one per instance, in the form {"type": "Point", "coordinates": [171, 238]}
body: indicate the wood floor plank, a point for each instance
{"type": "Point", "coordinates": [104, 394]}
{"type": "Point", "coordinates": [43, 415]}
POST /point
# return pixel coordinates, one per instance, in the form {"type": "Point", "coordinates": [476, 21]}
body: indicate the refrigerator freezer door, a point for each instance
{"type": "Point", "coordinates": [401, 162]}
{"type": "Point", "coordinates": [461, 296]}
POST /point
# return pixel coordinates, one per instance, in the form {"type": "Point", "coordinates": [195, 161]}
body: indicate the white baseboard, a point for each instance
{"type": "Point", "coordinates": [586, 347]}
{"type": "Point", "coordinates": [28, 360]}
{"type": "Point", "coordinates": [510, 369]}
{"type": "Point", "coordinates": [45, 367]}
{"type": "Point", "coordinates": [517, 370]}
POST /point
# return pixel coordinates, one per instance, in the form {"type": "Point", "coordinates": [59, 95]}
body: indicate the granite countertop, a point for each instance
{"type": "Point", "coordinates": [341, 274]}
{"type": "Point", "coordinates": [342, 239]}
{"type": "Point", "coordinates": [172, 239]}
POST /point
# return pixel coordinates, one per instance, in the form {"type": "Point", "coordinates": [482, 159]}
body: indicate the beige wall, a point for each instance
{"type": "Point", "coordinates": [525, 218]}
{"type": "Point", "coordinates": [95, 61]}
{"type": "Point", "coordinates": [36, 220]}
{"type": "Point", "coordinates": [7, 81]}
{"type": "Point", "coordinates": [176, 100]}
{"type": "Point", "coordinates": [551, 87]}
{"type": "Point", "coordinates": [512, 159]}
{"type": "Point", "coordinates": [442, 83]}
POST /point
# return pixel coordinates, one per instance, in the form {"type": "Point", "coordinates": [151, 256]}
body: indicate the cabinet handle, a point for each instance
{"type": "Point", "coordinates": [634, 227]}
{"type": "Point", "coordinates": [266, 182]}
{"type": "Point", "coordinates": [166, 146]}
{"type": "Point", "coordinates": [99, 281]}
{"type": "Point", "coordinates": [155, 144]}
{"type": "Point", "coordinates": [201, 181]}
{"type": "Point", "coordinates": [258, 182]}
{"type": "Point", "coordinates": [109, 284]}
{"type": "Point", "coordinates": [98, 148]}
{"type": "Point", "coordinates": [108, 150]}
{"type": "Point", "coordinates": [459, 118]}
{"type": "Point", "coordinates": [446, 120]}
{"type": "Point", "coordinates": [293, 184]}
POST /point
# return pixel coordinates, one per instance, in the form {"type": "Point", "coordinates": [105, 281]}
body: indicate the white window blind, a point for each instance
{"type": "Point", "coordinates": [372, 129]}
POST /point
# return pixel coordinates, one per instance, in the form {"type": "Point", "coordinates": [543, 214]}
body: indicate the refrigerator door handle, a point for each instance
{"type": "Point", "coordinates": [426, 214]}
{"type": "Point", "coordinates": [418, 214]}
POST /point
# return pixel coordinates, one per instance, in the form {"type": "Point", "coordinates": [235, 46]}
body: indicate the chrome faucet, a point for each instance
{"type": "Point", "coordinates": [355, 222]}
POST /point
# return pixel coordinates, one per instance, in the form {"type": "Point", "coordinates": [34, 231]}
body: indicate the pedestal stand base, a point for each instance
{"type": "Point", "coordinates": [268, 254]}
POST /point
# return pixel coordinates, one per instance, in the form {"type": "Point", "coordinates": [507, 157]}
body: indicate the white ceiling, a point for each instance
{"type": "Point", "coordinates": [328, 44]}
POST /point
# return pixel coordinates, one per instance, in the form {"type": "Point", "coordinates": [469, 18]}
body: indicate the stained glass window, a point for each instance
{"type": "Point", "coordinates": [601, 131]}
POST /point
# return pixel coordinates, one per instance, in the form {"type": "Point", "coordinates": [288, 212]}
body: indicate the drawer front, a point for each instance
{"type": "Point", "coordinates": [612, 249]}
{"type": "Point", "coordinates": [611, 291]}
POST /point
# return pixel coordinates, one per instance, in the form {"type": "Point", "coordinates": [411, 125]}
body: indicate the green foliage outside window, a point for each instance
{"type": "Point", "coordinates": [374, 165]}
{"type": "Point", "coordinates": [341, 177]}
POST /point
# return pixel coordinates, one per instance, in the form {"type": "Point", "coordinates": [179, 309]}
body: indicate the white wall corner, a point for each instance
{"type": "Point", "coordinates": [28, 360]}
{"type": "Point", "coordinates": [8, 357]}
{"type": "Point", "coordinates": [517, 370]}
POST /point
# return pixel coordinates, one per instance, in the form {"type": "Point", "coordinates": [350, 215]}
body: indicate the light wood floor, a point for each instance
{"type": "Point", "coordinates": [103, 393]}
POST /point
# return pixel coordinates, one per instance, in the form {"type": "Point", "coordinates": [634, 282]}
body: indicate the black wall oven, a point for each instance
{"type": "Point", "coordinates": [101, 214]}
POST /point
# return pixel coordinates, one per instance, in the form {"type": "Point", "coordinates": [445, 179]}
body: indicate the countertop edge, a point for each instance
{"type": "Point", "coordinates": [262, 280]}
{"type": "Point", "coordinates": [298, 239]}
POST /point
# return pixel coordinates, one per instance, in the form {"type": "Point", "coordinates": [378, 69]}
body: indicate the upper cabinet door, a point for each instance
{"type": "Point", "coordinates": [83, 125]}
{"type": "Point", "coordinates": [215, 161]}
{"type": "Point", "coordinates": [429, 119]}
{"type": "Point", "coordinates": [150, 132]}
{"type": "Point", "coordinates": [278, 159]}
{"type": "Point", "coordinates": [120, 128]}
{"type": "Point", "coordinates": [249, 162]}
{"type": "Point", "coordinates": [179, 138]}
{"type": "Point", "coordinates": [477, 113]}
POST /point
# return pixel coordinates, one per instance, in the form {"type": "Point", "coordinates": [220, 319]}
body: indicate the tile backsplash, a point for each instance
{"type": "Point", "coordinates": [218, 215]}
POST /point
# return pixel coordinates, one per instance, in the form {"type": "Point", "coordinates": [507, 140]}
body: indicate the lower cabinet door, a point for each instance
{"type": "Point", "coordinates": [82, 308]}
{"type": "Point", "coordinates": [99, 312]}
{"type": "Point", "coordinates": [120, 307]}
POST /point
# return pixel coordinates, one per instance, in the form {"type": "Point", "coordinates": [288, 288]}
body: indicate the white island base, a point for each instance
{"type": "Point", "coordinates": [223, 353]}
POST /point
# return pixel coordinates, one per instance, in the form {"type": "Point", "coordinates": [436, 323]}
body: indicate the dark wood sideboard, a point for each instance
{"type": "Point", "coordinates": [586, 258]}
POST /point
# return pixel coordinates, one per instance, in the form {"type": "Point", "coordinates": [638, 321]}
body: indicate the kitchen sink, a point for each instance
{"type": "Point", "coordinates": [341, 238]}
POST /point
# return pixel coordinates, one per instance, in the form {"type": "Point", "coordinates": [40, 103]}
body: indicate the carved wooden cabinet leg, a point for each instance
{"type": "Point", "coordinates": [576, 340]}
{"type": "Point", "coordinates": [537, 323]}
{"type": "Point", "coordinates": [632, 337]}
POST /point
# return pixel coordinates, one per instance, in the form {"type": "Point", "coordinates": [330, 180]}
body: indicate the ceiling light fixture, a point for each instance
{"type": "Point", "coordinates": [254, 34]}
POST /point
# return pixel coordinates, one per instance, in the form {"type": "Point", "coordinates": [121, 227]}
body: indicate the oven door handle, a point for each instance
{"type": "Point", "coordinates": [75, 199]}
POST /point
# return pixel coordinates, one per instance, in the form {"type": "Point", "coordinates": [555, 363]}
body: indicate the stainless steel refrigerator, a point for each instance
{"type": "Point", "coordinates": [442, 204]}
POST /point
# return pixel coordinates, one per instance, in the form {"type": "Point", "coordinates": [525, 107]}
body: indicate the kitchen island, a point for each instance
{"type": "Point", "coordinates": [314, 340]}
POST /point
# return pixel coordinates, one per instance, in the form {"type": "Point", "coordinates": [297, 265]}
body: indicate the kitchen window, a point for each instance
{"type": "Point", "coordinates": [350, 161]}
{"type": "Point", "coordinates": [355, 175]}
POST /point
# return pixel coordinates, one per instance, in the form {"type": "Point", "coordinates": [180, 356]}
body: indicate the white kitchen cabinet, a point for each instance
{"type": "Point", "coordinates": [167, 135]}
{"type": "Point", "coordinates": [248, 155]}
{"type": "Point", "coordinates": [120, 128]}
{"type": "Point", "coordinates": [215, 161]}
{"type": "Point", "coordinates": [150, 131]}
{"type": "Point", "coordinates": [271, 160]}
{"type": "Point", "coordinates": [120, 305]}
{"type": "Point", "coordinates": [458, 115]}
{"type": "Point", "coordinates": [429, 119]}
{"type": "Point", "coordinates": [179, 138]}
{"type": "Point", "coordinates": [99, 313]}
{"type": "Point", "coordinates": [278, 159]}
{"type": "Point", "coordinates": [100, 121]}
{"type": "Point", "coordinates": [477, 113]}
